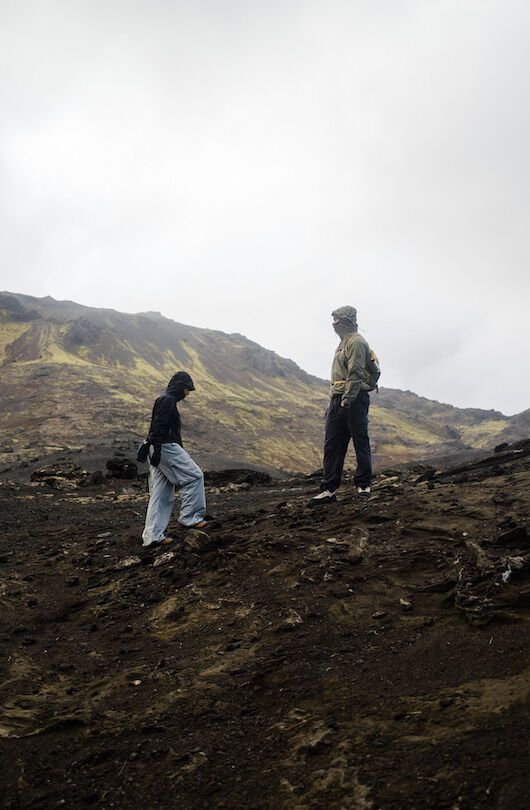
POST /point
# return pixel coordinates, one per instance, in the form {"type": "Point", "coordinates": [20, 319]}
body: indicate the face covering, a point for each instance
{"type": "Point", "coordinates": [343, 329]}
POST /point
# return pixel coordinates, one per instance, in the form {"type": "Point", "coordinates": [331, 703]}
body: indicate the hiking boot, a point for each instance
{"type": "Point", "coordinates": [323, 497]}
{"type": "Point", "coordinates": [166, 540]}
{"type": "Point", "coordinates": [200, 525]}
{"type": "Point", "coordinates": [364, 491]}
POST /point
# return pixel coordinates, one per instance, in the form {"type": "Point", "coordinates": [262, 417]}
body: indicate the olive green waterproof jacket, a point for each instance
{"type": "Point", "coordinates": [348, 370]}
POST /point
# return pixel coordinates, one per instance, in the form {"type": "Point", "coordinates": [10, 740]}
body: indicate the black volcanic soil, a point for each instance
{"type": "Point", "coordinates": [366, 655]}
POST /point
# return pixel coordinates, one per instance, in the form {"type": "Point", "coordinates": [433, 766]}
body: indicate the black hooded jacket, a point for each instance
{"type": "Point", "coordinates": [165, 419]}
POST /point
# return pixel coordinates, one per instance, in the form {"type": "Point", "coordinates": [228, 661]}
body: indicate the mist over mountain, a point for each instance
{"type": "Point", "coordinates": [76, 378]}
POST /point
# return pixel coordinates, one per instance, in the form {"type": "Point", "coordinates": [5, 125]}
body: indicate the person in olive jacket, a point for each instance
{"type": "Point", "coordinates": [170, 465]}
{"type": "Point", "coordinates": [347, 413]}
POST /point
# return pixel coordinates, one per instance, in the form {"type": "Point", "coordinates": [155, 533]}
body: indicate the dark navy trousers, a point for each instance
{"type": "Point", "coordinates": [341, 425]}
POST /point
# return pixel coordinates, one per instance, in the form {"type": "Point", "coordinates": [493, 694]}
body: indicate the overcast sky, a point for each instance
{"type": "Point", "coordinates": [249, 166]}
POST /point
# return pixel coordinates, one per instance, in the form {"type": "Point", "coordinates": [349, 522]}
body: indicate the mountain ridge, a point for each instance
{"type": "Point", "coordinates": [75, 375]}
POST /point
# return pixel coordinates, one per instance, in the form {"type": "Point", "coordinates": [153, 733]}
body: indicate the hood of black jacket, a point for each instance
{"type": "Point", "coordinates": [178, 383]}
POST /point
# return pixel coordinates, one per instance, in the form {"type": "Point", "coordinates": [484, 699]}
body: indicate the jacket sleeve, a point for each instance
{"type": "Point", "coordinates": [354, 354]}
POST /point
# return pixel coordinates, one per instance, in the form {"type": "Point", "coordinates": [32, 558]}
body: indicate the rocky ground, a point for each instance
{"type": "Point", "coordinates": [369, 654]}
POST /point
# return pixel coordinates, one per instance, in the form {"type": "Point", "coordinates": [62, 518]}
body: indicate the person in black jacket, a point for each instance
{"type": "Point", "coordinates": [170, 465]}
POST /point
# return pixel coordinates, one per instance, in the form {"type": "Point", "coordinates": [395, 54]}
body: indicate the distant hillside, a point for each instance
{"type": "Point", "coordinates": [75, 377]}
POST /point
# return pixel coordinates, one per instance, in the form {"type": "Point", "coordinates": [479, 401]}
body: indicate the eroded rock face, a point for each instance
{"type": "Point", "coordinates": [82, 332]}
{"type": "Point", "coordinates": [20, 313]}
{"type": "Point", "coordinates": [65, 477]}
{"type": "Point", "coordinates": [284, 656]}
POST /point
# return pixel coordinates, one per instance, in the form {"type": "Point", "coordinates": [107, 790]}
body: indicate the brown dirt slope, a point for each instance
{"type": "Point", "coordinates": [371, 654]}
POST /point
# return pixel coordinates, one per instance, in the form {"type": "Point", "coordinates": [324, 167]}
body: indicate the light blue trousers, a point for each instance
{"type": "Point", "coordinates": [176, 467]}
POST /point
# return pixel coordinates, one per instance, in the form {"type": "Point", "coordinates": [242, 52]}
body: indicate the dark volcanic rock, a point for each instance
{"type": "Point", "coordinates": [252, 477]}
{"type": "Point", "coordinates": [122, 468]}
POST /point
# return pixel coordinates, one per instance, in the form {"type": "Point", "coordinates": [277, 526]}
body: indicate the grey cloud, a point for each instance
{"type": "Point", "coordinates": [300, 155]}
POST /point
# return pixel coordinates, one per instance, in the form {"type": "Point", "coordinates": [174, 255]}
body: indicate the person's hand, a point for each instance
{"type": "Point", "coordinates": [155, 458]}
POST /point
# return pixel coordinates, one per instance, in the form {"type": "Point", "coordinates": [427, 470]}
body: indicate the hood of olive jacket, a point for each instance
{"type": "Point", "coordinates": [347, 324]}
